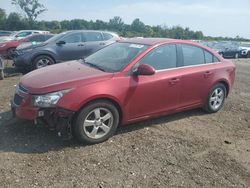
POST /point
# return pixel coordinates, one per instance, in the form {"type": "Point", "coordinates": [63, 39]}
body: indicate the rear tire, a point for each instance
{"type": "Point", "coordinates": [42, 61]}
{"type": "Point", "coordinates": [216, 98]}
{"type": "Point", "coordinates": [96, 122]}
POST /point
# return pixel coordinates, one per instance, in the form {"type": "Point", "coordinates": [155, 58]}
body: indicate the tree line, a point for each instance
{"type": "Point", "coordinates": [15, 21]}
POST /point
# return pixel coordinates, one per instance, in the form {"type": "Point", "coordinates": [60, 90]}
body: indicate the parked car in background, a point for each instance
{"type": "Point", "coordinates": [66, 46]}
{"type": "Point", "coordinates": [245, 51]}
{"type": "Point", "coordinates": [125, 82]}
{"type": "Point", "coordinates": [231, 52]}
{"type": "Point", "coordinates": [5, 33]}
{"type": "Point", "coordinates": [22, 34]}
{"type": "Point", "coordinates": [7, 49]}
{"type": "Point", "coordinates": [35, 40]}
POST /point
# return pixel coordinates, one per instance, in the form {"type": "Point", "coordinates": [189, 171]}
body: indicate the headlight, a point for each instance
{"type": "Point", "coordinates": [48, 100]}
{"type": "Point", "coordinates": [2, 45]}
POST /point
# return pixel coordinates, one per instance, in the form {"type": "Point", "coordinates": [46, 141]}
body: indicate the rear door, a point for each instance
{"type": "Point", "coordinates": [159, 92]}
{"type": "Point", "coordinates": [73, 47]}
{"type": "Point", "coordinates": [93, 41]}
{"type": "Point", "coordinates": [197, 74]}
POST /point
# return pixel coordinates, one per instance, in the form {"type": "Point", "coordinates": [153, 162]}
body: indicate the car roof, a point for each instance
{"type": "Point", "coordinates": [74, 31]}
{"type": "Point", "coordinates": [150, 41]}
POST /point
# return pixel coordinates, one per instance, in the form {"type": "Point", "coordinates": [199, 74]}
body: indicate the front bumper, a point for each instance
{"type": "Point", "coordinates": [23, 60]}
{"type": "Point", "coordinates": [58, 119]}
{"type": "Point", "coordinates": [3, 53]}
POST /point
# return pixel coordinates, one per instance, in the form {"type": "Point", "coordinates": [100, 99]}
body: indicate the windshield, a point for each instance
{"type": "Point", "coordinates": [115, 57]}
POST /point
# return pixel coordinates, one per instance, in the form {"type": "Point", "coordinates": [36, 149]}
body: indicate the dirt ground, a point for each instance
{"type": "Point", "coordinates": [190, 149]}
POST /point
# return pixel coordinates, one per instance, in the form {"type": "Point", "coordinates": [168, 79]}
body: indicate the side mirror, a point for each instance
{"type": "Point", "coordinates": [61, 42]}
{"type": "Point", "coordinates": [144, 69]}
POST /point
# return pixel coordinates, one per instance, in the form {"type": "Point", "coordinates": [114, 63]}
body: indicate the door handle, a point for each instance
{"type": "Point", "coordinates": [80, 45]}
{"type": "Point", "coordinates": [208, 74]}
{"type": "Point", "coordinates": [174, 81]}
{"type": "Point", "coordinates": [102, 43]}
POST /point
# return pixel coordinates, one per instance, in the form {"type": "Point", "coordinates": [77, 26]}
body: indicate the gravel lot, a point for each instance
{"type": "Point", "coordinates": [190, 149]}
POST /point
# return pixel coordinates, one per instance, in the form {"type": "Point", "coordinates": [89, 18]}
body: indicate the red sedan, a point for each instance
{"type": "Point", "coordinates": [126, 82]}
{"type": "Point", "coordinates": [7, 48]}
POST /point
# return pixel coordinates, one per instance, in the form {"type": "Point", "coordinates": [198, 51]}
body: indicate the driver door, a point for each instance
{"type": "Point", "coordinates": [72, 49]}
{"type": "Point", "coordinates": [157, 93]}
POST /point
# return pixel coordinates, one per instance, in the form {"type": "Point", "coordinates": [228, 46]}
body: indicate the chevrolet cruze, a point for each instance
{"type": "Point", "coordinates": [125, 82]}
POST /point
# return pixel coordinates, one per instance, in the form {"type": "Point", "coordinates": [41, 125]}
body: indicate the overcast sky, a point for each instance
{"type": "Point", "coordinates": [213, 17]}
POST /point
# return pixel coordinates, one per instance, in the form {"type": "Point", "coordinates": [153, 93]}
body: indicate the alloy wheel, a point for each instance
{"type": "Point", "coordinates": [98, 123]}
{"type": "Point", "coordinates": [217, 98]}
{"type": "Point", "coordinates": [42, 63]}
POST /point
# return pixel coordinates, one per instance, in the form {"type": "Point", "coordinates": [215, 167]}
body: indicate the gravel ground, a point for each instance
{"type": "Point", "coordinates": [190, 149]}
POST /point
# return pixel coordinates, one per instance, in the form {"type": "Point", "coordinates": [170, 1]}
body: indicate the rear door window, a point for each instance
{"type": "Point", "coordinates": [192, 55]}
{"type": "Point", "coordinates": [92, 36]}
{"type": "Point", "coordinates": [73, 38]}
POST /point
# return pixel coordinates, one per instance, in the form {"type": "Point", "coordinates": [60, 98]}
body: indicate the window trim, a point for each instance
{"type": "Point", "coordinates": [179, 59]}
{"type": "Point", "coordinates": [188, 66]}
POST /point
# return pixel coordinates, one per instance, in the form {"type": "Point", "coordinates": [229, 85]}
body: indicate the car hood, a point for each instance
{"type": "Point", "coordinates": [31, 45]}
{"type": "Point", "coordinates": [62, 76]}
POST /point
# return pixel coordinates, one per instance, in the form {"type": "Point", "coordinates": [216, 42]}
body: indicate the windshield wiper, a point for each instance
{"type": "Point", "coordinates": [93, 65]}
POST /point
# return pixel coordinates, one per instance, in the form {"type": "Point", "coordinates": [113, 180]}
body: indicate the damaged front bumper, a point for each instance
{"type": "Point", "coordinates": [57, 118]}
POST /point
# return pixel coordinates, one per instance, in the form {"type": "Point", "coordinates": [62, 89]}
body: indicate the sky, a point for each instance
{"type": "Point", "coordinates": [214, 17]}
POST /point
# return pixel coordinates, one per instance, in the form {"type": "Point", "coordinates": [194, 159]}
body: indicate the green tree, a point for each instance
{"type": "Point", "coordinates": [138, 26]}
{"type": "Point", "coordinates": [2, 18]}
{"type": "Point", "coordinates": [14, 22]}
{"type": "Point", "coordinates": [32, 8]}
{"type": "Point", "coordinates": [116, 24]}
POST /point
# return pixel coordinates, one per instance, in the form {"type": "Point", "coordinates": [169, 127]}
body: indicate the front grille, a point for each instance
{"type": "Point", "coordinates": [18, 99]}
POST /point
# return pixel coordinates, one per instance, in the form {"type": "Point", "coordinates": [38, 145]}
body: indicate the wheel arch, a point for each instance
{"type": "Point", "coordinates": [104, 98]}
{"type": "Point", "coordinates": [42, 54]}
{"type": "Point", "coordinates": [226, 84]}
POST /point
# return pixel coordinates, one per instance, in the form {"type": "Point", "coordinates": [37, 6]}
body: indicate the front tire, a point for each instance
{"type": "Point", "coordinates": [42, 61]}
{"type": "Point", "coordinates": [216, 98]}
{"type": "Point", "coordinates": [10, 52]}
{"type": "Point", "coordinates": [1, 74]}
{"type": "Point", "coordinates": [248, 54]}
{"type": "Point", "coordinates": [96, 122]}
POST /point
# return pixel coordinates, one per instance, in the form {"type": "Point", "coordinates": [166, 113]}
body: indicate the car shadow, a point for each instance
{"type": "Point", "coordinates": [21, 136]}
